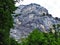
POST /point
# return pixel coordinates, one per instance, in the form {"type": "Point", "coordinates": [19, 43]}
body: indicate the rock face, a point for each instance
{"type": "Point", "coordinates": [29, 17]}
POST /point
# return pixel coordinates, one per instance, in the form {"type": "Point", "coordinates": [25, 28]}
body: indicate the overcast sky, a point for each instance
{"type": "Point", "coordinates": [53, 6]}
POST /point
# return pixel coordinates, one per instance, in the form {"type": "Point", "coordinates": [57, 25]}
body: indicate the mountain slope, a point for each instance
{"type": "Point", "coordinates": [29, 17]}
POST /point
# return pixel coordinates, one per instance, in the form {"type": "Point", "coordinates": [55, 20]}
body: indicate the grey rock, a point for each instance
{"type": "Point", "coordinates": [31, 17]}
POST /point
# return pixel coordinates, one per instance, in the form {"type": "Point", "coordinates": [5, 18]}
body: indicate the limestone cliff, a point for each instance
{"type": "Point", "coordinates": [29, 17]}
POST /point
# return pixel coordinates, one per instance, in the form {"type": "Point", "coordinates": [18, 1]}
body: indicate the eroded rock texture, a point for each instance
{"type": "Point", "coordinates": [29, 17]}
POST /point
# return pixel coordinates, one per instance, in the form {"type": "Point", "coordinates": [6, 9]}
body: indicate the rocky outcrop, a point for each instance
{"type": "Point", "coordinates": [29, 17]}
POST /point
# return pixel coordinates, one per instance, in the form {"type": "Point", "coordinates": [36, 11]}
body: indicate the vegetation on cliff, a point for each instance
{"type": "Point", "coordinates": [35, 38]}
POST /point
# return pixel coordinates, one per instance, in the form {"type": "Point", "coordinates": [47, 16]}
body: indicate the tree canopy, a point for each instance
{"type": "Point", "coordinates": [6, 21]}
{"type": "Point", "coordinates": [41, 38]}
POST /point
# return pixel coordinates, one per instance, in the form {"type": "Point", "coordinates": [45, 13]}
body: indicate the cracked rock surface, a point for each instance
{"type": "Point", "coordinates": [29, 17]}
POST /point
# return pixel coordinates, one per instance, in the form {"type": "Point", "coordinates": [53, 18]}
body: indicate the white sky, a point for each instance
{"type": "Point", "coordinates": [53, 6]}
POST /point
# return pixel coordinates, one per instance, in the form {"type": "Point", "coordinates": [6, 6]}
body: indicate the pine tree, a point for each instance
{"type": "Point", "coordinates": [6, 21]}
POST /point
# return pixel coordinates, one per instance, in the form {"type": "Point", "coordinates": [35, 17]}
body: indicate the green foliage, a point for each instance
{"type": "Point", "coordinates": [13, 42]}
{"type": "Point", "coordinates": [6, 21]}
{"type": "Point", "coordinates": [41, 38]}
{"type": "Point", "coordinates": [35, 38]}
{"type": "Point", "coordinates": [6, 9]}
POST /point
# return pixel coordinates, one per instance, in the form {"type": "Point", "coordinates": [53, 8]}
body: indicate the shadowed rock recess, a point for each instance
{"type": "Point", "coordinates": [29, 17]}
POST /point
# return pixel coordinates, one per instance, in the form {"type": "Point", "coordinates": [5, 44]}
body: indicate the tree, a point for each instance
{"type": "Point", "coordinates": [1, 38]}
{"type": "Point", "coordinates": [6, 21]}
{"type": "Point", "coordinates": [13, 42]}
{"type": "Point", "coordinates": [41, 38]}
{"type": "Point", "coordinates": [35, 38]}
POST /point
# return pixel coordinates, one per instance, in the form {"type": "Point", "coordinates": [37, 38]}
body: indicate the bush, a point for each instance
{"type": "Point", "coordinates": [41, 38]}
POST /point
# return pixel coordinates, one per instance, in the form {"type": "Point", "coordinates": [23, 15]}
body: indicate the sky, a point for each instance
{"type": "Point", "coordinates": [53, 6]}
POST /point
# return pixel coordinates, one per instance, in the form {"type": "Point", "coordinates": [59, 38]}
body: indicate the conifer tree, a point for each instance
{"type": "Point", "coordinates": [6, 21]}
